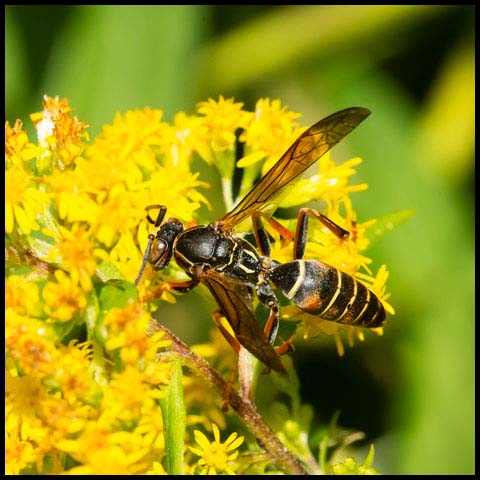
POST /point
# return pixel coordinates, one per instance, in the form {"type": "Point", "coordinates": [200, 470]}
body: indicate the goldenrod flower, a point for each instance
{"type": "Point", "coordinates": [116, 215]}
{"type": "Point", "coordinates": [27, 342]}
{"type": "Point", "coordinates": [66, 417]}
{"type": "Point", "coordinates": [63, 298]}
{"type": "Point", "coordinates": [100, 450]}
{"type": "Point", "coordinates": [181, 194]}
{"type": "Point", "coordinates": [156, 469]}
{"type": "Point", "coordinates": [127, 332]}
{"type": "Point", "coordinates": [59, 133]}
{"type": "Point", "coordinates": [22, 295]}
{"type": "Point", "coordinates": [127, 147]}
{"type": "Point", "coordinates": [127, 396]}
{"type": "Point", "coordinates": [19, 453]}
{"type": "Point", "coordinates": [18, 149]}
{"type": "Point", "coordinates": [215, 456]}
{"type": "Point", "coordinates": [72, 372]}
{"type": "Point", "coordinates": [126, 256]}
{"type": "Point", "coordinates": [222, 119]}
{"type": "Point", "coordinates": [76, 253]}
{"type": "Point", "coordinates": [23, 201]}
{"type": "Point", "coordinates": [187, 135]}
{"type": "Point", "coordinates": [271, 131]}
{"type": "Point", "coordinates": [24, 397]}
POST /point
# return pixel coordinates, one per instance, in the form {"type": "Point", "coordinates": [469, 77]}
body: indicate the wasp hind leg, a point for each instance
{"type": "Point", "coordinates": [261, 235]}
{"type": "Point", "coordinates": [266, 295]}
{"type": "Point", "coordinates": [271, 330]}
{"type": "Point", "coordinates": [300, 240]}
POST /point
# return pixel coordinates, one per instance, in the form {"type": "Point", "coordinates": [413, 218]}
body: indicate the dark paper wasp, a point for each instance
{"type": "Point", "coordinates": [233, 269]}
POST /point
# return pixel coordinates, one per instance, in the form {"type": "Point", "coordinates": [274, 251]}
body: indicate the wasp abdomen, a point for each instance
{"type": "Point", "coordinates": [323, 290]}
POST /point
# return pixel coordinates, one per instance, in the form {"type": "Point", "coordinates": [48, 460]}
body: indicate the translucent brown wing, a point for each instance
{"type": "Point", "coordinates": [230, 296]}
{"type": "Point", "coordinates": [305, 151]}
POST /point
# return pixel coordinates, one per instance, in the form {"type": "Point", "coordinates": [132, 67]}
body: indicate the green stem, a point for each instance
{"type": "Point", "coordinates": [227, 193]}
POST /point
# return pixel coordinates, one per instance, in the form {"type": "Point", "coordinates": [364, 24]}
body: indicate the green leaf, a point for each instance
{"type": "Point", "coordinates": [174, 421]}
{"type": "Point", "coordinates": [113, 294]}
{"type": "Point", "coordinates": [41, 244]}
{"type": "Point", "coordinates": [116, 293]}
{"type": "Point", "coordinates": [371, 454]}
{"type": "Point", "coordinates": [387, 223]}
{"type": "Point", "coordinates": [108, 271]}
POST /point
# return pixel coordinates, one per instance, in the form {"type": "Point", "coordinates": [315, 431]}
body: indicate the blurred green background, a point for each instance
{"type": "Point", "coordinates": [412, 390]}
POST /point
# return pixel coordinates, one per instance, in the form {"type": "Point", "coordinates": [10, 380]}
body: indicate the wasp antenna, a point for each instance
{"type": "Point", "coordinates": [160, 216]}
{"type": "Point", "coordinates": [145, 258]}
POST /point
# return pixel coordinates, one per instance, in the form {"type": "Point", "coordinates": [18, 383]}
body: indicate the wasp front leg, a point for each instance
{"type": "Point", "coordinates": [168, 286]}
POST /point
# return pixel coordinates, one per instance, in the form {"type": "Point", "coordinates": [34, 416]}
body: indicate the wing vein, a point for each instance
{"type": "Point", "coordinates": [304, 152]}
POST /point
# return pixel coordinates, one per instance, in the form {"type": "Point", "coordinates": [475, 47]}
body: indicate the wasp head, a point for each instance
{"type": "Point", "coordinates": [160, 246]}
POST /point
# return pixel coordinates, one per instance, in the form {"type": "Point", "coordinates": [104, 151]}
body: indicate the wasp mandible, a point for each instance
{"type": "Point", "coordinates": [234, 270]}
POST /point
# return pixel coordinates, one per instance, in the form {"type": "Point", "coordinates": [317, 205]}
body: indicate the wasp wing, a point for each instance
{"type": "Point", "coordinates": [305, 151]}
{"type": "Point", "coordinates": [230, 296]}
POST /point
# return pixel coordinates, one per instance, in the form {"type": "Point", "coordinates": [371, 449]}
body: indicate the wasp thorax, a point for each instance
{"type": "Point", "coordinates": [196, 246]}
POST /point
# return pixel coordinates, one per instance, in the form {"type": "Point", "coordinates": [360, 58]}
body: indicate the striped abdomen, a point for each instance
{"type": "Point", "coordinates": [325, 291]}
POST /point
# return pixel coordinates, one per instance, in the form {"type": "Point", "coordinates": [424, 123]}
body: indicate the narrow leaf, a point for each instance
{"type": "Point", "coordinates": [387, 223]}
{"type": "Point", "coordinates": [174, 422]}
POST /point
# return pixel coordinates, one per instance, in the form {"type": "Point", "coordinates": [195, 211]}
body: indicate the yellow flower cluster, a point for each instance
{"type": "Point", "coordinates": [83, 381]}
{"type": "Point", "coordinates": [67, 399]}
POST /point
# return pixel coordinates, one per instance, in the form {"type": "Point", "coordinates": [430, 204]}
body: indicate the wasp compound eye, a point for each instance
{"type": "Point", "coordinates": [157, 252]}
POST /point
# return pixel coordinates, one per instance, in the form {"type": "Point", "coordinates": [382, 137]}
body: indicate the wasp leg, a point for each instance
{"type": "Point", "coordinates": [178, 287]}
{"type": "Point", "coordinates": [161, 214]}
{"type": "Point", "coordinates": [286, 346]}
{"type": "Point", "coordinates": [302, 228]}
{"type": "Point", "coordinates": [216, 316]}
{"type": "Point", "coordinates": [261, 236]}
{"type": "Point", "coordinates": [233, 342]}
{"type": "Point", "coordinates": [286, 234]}
{"type": "Point", "coordinates": [266, 295]}
{"type": "Point", "coordinates": [271, 327]}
